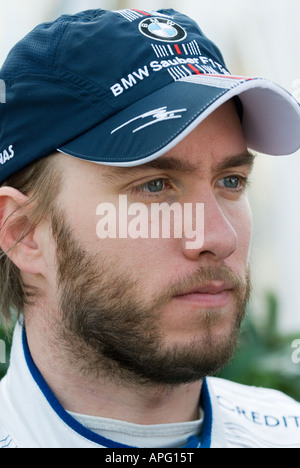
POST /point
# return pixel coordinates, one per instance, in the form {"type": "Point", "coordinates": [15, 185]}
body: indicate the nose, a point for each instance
{"type": "Point", "coordinates": [219, 238]}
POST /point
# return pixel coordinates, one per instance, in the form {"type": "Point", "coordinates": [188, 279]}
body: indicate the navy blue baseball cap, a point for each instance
{"type": "Point", "coordinates": [121, 88]}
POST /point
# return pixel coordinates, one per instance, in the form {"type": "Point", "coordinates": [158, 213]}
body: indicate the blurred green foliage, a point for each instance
{"type": "Point", "coordinates": [263, 357]}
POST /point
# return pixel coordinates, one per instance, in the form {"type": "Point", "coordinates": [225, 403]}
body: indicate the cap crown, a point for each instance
{"type": "Point", "coordinates": [69, 75]}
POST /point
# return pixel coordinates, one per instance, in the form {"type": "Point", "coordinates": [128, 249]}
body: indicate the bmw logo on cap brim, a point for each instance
{"type": "Point", "coordinates": [162, 29]}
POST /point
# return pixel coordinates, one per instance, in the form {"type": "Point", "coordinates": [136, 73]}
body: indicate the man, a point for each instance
{"type": "Point", "coordinates": [119, 331]}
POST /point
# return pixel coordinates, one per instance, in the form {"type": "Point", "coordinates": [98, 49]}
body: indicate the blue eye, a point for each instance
{"type": "Point", "coordinates": [231, 182]}
{"type": "Point", "coordinates": [155, 188]}
{"type": "Point", "coordinates": [234, 183]}
{"type": "Point", "coordinates": [155, 185]}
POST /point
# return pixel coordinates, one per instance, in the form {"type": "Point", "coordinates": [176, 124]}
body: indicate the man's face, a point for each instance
{"type": "Point", "coordinates": [153, 309]}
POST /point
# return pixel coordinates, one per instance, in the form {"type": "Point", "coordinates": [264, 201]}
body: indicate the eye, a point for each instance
{"type": "Point", "coordinates": [231, 182]}
{"type": "Point", "coordinates": [154, 186]}
{"type": "Point", "coordinates": [234, 183]}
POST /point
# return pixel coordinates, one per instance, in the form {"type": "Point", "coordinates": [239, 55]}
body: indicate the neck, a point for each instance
{"type": "Point", "coordinates": [101, 396]}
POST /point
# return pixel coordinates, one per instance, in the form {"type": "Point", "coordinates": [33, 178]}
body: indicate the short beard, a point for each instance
{"type": "Point", "coordinates": [108, 331]}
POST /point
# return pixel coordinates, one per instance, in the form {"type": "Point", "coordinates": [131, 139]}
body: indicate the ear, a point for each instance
{"type": "Point", "coordinates": [18, 238]}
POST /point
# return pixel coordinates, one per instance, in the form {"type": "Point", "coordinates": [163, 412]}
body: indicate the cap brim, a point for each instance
{"type": "Point", "coordinates": [158, 122]}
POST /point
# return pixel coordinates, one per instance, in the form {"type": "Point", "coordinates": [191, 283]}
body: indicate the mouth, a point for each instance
{"type": "Point", "coordinates": [214, 294]}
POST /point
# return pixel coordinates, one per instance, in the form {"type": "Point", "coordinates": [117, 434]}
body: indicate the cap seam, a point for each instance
{"type": "Point", "coordinates": [57, 54]}
{"type": "Point", "coordinates": [78, 96]}
{"type": "Point", "coordinates": [36, 78]}
{"type": "Point", "coordinates": [59, 57]}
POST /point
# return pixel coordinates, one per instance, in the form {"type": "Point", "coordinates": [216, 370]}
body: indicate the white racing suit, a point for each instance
{"type": "Point", "coordinates": [235, 416]}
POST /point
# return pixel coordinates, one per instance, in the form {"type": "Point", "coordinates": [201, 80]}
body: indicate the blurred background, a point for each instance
{"type": "Point", "coordinates": [257, 38]}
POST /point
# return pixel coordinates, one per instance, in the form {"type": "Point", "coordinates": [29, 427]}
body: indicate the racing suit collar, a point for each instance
{"type": "Point", "coordinates": [35, 418]}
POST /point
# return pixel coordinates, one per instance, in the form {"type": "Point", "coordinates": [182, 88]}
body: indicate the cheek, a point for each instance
{"type": "Point", "coordinates": [144, 257]}
{"type": "Point", "coordinates": [241, 220]}
{"type": "Point", "coordinates": [82, 219]}
{"type": "Point", "coordinates": [145, 262]}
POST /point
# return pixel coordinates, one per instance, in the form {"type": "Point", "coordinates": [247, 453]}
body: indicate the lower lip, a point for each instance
{"type": "Point", "coordinates": [206, 300]}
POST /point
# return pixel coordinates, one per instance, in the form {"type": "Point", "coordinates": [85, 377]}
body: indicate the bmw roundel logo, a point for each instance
{"type": "Point", "coordinates": [162, 29]}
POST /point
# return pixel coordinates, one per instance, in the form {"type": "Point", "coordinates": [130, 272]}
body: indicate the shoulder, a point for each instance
{"type": "Point", "coordinates": [248, 393]}
{"type": "Point", "coordinates": [257, 417]}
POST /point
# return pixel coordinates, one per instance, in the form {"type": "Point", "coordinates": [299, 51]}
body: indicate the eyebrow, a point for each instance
{"type": "Point", "coordinates": [173, 164]}
{"type": "Point", "coordinates": [244, 159]}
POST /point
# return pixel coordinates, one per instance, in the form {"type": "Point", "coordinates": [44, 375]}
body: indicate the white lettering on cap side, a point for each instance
{"type": "Point", "coordinates": [7, 155]}
{"type": "Point", "coordinates": [130, 81]}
